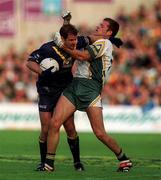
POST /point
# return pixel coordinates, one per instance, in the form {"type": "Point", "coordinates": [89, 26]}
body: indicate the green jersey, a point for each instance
{"type": "Point", "coordinates": [100, 64]}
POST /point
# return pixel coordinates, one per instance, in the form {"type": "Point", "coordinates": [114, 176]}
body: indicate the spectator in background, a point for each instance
{"type": "Point", "coordinates": [136, 72]}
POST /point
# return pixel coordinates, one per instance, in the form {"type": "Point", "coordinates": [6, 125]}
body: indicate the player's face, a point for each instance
{"type": "Point", "coordinates": [71, 41]}
{"type": "Point", "coordinates": [103, 29]}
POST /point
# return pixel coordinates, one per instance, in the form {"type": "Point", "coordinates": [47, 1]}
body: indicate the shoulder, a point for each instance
{"type": "Point", "coordinates": [103, 43]}
{"type": "Point", "coordinates": [47, 45]}
{"type": "Point", "coordinates": [100, 47]}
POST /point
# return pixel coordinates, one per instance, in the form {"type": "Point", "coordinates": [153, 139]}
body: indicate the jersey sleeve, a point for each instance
{"type": "Point", "coordinates": [82, 41]}
{"type": "Point", "coordinates": [98, 48]}
{"type": "Point", "coordinates": [37, 55]}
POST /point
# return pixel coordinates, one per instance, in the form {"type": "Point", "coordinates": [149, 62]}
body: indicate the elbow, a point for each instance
{"type": "Point", "coordinates": [27, 65]}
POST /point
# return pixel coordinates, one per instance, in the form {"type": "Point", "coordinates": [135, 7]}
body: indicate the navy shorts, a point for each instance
{"type": "Point", "coordinates": [48, 97]}
{"type": "Point", "coordinates": [47, 103]}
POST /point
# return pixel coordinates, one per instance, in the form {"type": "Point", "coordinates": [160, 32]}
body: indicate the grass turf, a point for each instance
{"type": "Point", "coordinates": [19, 157]}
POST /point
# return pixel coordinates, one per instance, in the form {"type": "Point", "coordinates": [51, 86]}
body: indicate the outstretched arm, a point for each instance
{"type": "Point", "coordinates": [76, 54]}
{"type": "Point", "coordinates": [66, 17]}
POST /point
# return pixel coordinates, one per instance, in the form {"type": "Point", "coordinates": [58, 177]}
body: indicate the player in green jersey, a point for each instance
{"type": "Point", "coordinates": [93, 66]}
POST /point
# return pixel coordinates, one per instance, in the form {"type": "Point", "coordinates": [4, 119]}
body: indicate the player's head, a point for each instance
{"type": "Point", "coordinates": [113, 26]}
{"type": "Point", "coordinates": [108, 28]}
{"type": "Point", "coordinates": [69, 35]}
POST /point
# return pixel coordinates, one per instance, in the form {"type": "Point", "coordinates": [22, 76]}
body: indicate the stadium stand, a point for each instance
{"type": "Point", "coordinates": [136, 74]}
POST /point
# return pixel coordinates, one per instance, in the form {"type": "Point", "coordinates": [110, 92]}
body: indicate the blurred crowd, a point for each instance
{"type": "Point", "coordinates": [136, 74]}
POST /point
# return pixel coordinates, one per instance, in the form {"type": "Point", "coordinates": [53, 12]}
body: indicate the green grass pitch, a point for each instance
{"type": "Point", "coordinates": [19, 157]}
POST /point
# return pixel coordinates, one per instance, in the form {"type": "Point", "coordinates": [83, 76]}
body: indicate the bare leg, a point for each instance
{"type": "Point", "coordinates": [64, 109]}
{"type": "Point", "coordinates": [45, 118]}
{"type": "Point", "coordinates": [96, 119]}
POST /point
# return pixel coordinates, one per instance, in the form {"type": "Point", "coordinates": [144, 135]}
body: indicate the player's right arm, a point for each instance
{"type": "Point", "coordinates": [34, 67]}
{"type": "Point", "coordinates": [66, 17]}
{"type": "Point", "coordinates": [93, 51]}
{"type": "Point", "coordinates": [77, 54]}
{"type": "Point", "coordinates": [34, 60]}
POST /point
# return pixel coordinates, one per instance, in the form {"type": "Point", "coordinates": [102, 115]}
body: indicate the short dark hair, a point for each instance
{"type": "Point", "coordinates": [114, 26]}
{"type": "Point", "coordinates": [67, 29]}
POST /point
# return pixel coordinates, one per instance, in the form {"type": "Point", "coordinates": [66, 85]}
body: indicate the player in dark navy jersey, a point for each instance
{"type": "Point", "coordinates": [50, 85]}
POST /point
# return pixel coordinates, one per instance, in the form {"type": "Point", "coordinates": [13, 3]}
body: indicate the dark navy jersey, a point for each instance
{"type": "Point", "coordinates": [83, 41]}
{"type": "Point", "coordinates": [60, 79]}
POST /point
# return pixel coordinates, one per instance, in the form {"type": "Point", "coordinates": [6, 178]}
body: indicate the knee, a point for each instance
{"type": "Point", "coordinates": [44, 129]}
{"type": "Point", "coordinates": [100, 135]}
{"type": "Point", "coordinates": [44, 132]}
{"type": "Point", "coordinates": [54, 125]}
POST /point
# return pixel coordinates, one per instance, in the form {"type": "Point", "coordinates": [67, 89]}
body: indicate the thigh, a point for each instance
{"type": "Point", "coordinates": [63, 110]}
{"type": "Point", "coordinates": [96, 118]}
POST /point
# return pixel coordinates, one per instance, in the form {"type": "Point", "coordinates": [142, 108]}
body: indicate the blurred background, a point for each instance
{"type": "Point", "coordinates": [132, 96]}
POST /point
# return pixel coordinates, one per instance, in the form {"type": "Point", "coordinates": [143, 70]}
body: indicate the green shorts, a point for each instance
{"type": "Point", "coordinates": [83, 93]}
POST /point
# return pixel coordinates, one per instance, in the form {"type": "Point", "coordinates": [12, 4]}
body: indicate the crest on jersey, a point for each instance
{"type": "Point", "coordinates": [98, 48]}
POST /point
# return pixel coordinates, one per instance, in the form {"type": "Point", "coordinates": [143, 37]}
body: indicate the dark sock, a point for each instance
{"type": "Point", "coordinates": [121, 156]}
{"type": "Point", "coordinates": [74, 147]}
{"type": "Point", "coordinates": [43, 150]}
{"type": "Point", "coordinates": [50, 159]}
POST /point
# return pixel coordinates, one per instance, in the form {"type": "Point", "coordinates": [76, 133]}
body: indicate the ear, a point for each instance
{"type": "Point", "coordinates": [109, 33]}
{"type": "Point", "coordinates": [62, 38]}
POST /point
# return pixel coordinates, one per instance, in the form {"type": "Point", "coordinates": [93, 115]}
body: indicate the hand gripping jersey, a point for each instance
{"type": "Point", "coordinates": [100, 64]}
